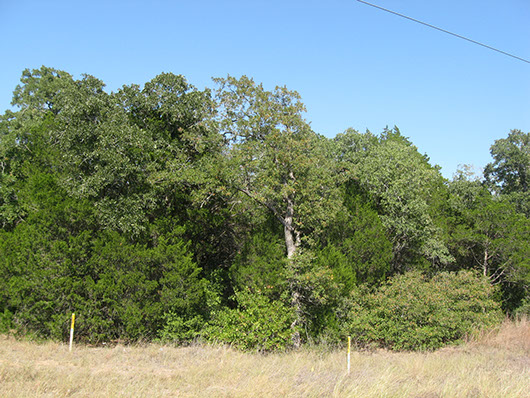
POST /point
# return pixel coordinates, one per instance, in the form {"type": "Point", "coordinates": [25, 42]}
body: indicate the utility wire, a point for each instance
{"type": "Point", "coordinates": [445, 31]}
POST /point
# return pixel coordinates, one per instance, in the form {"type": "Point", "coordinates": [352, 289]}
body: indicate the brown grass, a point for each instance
{"type": "Point", "coordinates": [495, 365]}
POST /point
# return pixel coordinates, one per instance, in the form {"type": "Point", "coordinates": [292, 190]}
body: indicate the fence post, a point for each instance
{"type": "Point", "coordinates": [72, 331]}
{"type": "Point", "coordinates": [349, 350]}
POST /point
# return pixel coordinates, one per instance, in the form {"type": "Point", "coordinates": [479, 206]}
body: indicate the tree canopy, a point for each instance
{"type": "Point", "coordinates": [509, 173]}
{"type": "Point", "coordinates": [167, 212]}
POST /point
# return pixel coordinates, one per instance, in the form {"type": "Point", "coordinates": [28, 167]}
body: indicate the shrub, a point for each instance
{"type": "Point", "coordinates": [118, 289]}
{"type": "Point", "coordinates": [524, 309]}
{"type": "Point", "coordinates": [6, 321]}
{"type": "Point", "coordinates": [411, 312]}
{"type": "Point", "coordinates": [256, 324]}
{"type": "Point", "coordinates": [181, 329]}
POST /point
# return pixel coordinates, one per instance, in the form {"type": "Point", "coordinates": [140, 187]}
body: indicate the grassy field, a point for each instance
{"type": "Point", "coordinates": [496, 365]}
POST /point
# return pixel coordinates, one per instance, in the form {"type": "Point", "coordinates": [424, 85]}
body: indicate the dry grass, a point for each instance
{"type": "Point", "coordinates": [496, 365]}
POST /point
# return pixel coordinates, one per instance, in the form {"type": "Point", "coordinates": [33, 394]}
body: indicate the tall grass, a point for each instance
{"type": "Point", "coordinates": [494, 365]}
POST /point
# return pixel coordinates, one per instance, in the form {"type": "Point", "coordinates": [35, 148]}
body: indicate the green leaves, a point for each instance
{"type": "Point", "coordinates": [157, 210]}
{"type": "Point", "coordinates": [256, 324]}
{"type": "Point", "coordinates": [273, 157]}
{"type": "Point", "coordinates": [509, 173]}
{"type": "Point", "coordinates": [39, 90]}
{"type": "Point", "coordinates": [411, 312]}
{"type": "Point", "coordinates": [405, 188]}
{"type": "Point", "coordinates": [93, 188]}
{"type": "Point", "coordinates": [489, 235]}
{"type": "Point", "coordinates": [510, 170]}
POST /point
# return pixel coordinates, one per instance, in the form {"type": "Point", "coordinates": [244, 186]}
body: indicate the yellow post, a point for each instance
{"type": "Point", "coordinates": [72, 331]}
{"type": "Point", "coordinates": [349, 350]}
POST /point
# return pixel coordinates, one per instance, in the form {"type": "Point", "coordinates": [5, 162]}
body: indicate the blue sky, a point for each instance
{"type": "Point", "coordinates": [355, 66]}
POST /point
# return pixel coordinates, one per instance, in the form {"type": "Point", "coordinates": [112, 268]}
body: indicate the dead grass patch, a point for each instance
{"type": "Point", "coordinates": [494, 365]}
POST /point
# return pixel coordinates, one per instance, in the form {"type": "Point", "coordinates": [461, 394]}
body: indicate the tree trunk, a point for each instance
{"type": "Point", "coordinates": [292, 243]}
{"type": "Point", "coordinates": [292, 237]}
{"type": "Point", "coordinates": [297, 305]}
{"type": "Point", "coordinates": [485, 264]}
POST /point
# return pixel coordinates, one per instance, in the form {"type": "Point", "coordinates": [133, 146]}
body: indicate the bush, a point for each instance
{"type": "Point", "coordinates": [118, 289]}
{"type": "Point", "coordinates": [256, 324]}
{"type": "Point", "coordinates": [411, 312]}
{"type": "Point", "coordinates": [179, 329]}
{"type": "Point", "coordinates": [524, 309]}
{"type": "Point", "coordinates": [6, 321]}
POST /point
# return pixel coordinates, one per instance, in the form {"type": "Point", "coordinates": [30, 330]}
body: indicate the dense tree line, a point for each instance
{"type": "Point", "coordinates": [165, 212]}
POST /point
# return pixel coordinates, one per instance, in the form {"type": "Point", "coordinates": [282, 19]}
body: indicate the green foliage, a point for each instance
{"type": "Point", "coordinates": [53, 265]}
{"type": "Point", "coordinates": [275, 159]}
{"type": "Point", "coordinates": [411, 312]}
{"type": "Point", "coordinates": [179, 329]}
{"type": "Point", "coordinates": [6, 322]}
{"type": "Point", "coordinates": [257, 323]}
{"type": "Point", "coordinates": [313, 293]}
{"type": "Point", "coordinates": [491, 236]}
{"type": "Point", "coordinates": [356, 247]}
{"type": "Point", "coordinates": [524, 309]}
{"type": "Point", "coordinates": [405, 189]}
{"type": "Point", "coordinates": [93, 190]}
{"type": "Point", "coordinates": [185, 319]}
{"type": "Point", "coordinates": [509, 173]}
{"type": "Point", "coordinates": [144, 210]}
{"type": "Point", "coordinates": [261, 264]}
{"type": "Point", "coordinates": [24, 151]}
{"type": "Point", "coordinates": [43, 258]}
{"type": "Point", "coordinates": [510, 170]}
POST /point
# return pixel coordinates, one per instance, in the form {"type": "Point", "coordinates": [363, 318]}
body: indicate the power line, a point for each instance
{"type": "Point", "coordinates": [446, 31]}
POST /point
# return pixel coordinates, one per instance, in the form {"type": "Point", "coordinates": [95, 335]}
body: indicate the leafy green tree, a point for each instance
{"type": "Point", "coordinates": [25, 143]}
{"type": "Point", "coordinates": [510, 170]}
{"type": "Point", "coordinates": [176, 118]}
{"type": "Point", "coordinates": [406, 190]}
{"type": "Point", "coordinates": [45, 257]}
{"type": "Point", "coordinates": [489, 235]}
{"type": "Point", "coordinates": [96, 193]}
{"type": "Point", "coordinates": [135, 153]}
{"type": "Point", "coordinates": [56, 263]}
{"type": "Point", "coordinates": [37, 94]}
{"type": "Point", "coordinates": [137, 286]}
{"type": "Point", "coordinates": [509, 173]}
{"type": "Point", "coordinates": [275, 159]}
{"type": "Point", "coordinates": [181, 170]}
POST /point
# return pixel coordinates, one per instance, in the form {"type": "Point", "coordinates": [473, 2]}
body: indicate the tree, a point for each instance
{"type": "Point", "coordinates": [406, 190]}
{"type": "Point", "coordinates": [136, 153]}
{"type": "Point", "coordinates": [489, 235]}
{"type": "Point", "coordinates": [96, 193]}
{"type": "Point", "coordinates": [509, 173]}
{"type": "Point", "coordinates": [275, 159]}
{"type": "Point", "coordinates": [25, 142]}
{"type": "Point", "coordinates": [76, 131]}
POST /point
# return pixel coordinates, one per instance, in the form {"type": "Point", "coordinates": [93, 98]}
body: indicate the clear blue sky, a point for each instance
{"type": "Point", "coordinates": [355, 66]}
